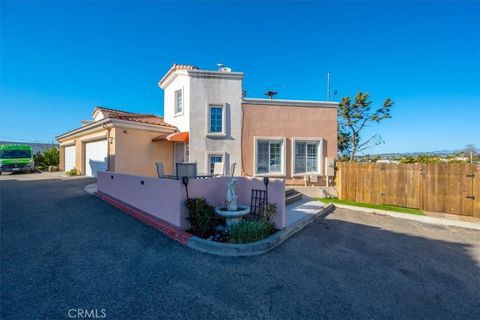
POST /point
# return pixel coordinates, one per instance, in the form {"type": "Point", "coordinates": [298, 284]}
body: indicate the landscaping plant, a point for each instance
{"type": "Point", "coordinates": [72, 172]}
{"type": "Point", "coordinates": [201, 216]}
{"type": "Point", "coordinates": [250, 231]}
{"type": "Point", "coordinates": [39, 160]}
{"type": "Point", "coordinates": [52, 156]}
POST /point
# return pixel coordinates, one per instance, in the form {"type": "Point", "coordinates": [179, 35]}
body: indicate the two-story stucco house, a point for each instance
{"type": "Point", "coordinates": [206, 120]}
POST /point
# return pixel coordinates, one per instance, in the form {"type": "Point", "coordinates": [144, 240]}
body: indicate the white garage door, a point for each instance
{"type": "Point", "coordinates": [69, 158]}
{"type": "Point", "coordinates": [95, 157]}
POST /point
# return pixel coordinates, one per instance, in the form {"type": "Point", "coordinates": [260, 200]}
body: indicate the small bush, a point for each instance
{"type": "Point", "coordinates": [250, 231]}
{"type": "Point", "coordinates": [39, 159]}
{"type": "Point", "coordinates": [52, 156]}
{"type": "Point", "coordinates": [72, 172]}
{"type": "Point", "coordinates": [201, 216]}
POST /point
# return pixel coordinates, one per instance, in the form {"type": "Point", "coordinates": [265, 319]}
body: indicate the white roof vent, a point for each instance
{"type": "Point", "coordinates": [223, 68]}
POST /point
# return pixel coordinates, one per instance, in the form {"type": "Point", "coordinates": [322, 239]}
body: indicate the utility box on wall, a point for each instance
{"type": "Point", "coordinates": [329, 167]}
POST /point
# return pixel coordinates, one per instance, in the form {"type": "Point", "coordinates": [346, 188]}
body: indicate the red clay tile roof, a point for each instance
{"type": "Point", "coordinates": [135, 117]}
{"type": "Point", "coordinates": [176, 67]}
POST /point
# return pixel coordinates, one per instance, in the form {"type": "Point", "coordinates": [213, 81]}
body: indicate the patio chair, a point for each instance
{"type": "Point", "coordinates": [186, 169]}
{"type": "Point", "coordinates": [218, 169]}
{"type": "Point", "coordinates": [160, 171]}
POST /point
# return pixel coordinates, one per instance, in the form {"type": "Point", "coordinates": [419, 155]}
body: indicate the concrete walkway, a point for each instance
{"type": "Point", "coordinates": [300, 209]}
{"type": "Point", "coordinates": [91, 188]}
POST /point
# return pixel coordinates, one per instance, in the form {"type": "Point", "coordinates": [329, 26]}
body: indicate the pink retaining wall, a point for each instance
{"type": "Point", "coordinates": [161, 198]}
{"type": "Point", "coordinates": [165, 198]}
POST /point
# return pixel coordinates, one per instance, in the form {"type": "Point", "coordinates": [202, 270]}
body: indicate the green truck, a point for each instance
{"type": "Point", "coordinates": [16, 157]}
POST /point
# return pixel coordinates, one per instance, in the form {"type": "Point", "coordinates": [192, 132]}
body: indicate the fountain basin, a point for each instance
{"type": "Point", "coordinates": [232, 217]}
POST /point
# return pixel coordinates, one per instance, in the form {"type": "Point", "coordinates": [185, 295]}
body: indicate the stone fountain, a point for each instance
{"type": "Point", "coordinates": [232, 212]}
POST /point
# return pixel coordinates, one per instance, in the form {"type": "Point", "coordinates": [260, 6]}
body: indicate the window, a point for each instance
{"type": "Point", "coordinates": [178, 101]}
{"type": "Point", "coordinates": [15, 154]}
{"type": "Point", "coordinates": [215, 119]}
{"type": "Point", "coordinates": [306, 156]}
{"type": "Point", "coordinates": [269, 156]}
{"type": "Point", "coordinates": [212, 159]}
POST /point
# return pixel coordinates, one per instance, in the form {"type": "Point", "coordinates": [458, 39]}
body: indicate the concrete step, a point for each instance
{"type": "Point", "coordinates": [292, 196]}
{"type": "Point", "coordinates": [290, 191]}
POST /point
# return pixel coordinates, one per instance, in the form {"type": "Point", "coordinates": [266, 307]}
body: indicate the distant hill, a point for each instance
{"type": "Point", "coordinates": [36, 147]}
{"type": "Point", "coordinates": [411, 154]}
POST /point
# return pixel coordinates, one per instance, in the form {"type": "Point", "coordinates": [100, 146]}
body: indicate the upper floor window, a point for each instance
{"type": "Point", "coordinates": [215, 123]}
{"type": "Point", "coordinates": [178, 101]}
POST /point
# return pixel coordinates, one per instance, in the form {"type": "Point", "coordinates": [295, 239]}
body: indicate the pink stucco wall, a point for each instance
{"type": "Point", "coordinates": [161, 198]}
{"type": "Point", "coordinates": [164, 198]}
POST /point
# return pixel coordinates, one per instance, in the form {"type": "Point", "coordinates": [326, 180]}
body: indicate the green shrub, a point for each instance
{"type": "Point", "coordinates": [51, 156]}
{"type": "Point", "coordinates": [201, 216]}
{"type": "Point", "coordinates": [250, 231]}
{"type": "Point", "coordinates": [39, 159]}
{"type": "Point", "coordinates": [72, 172]}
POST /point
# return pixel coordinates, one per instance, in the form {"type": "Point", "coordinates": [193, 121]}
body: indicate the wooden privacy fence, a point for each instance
{"type": "Point", "coordinates": [442, 187]}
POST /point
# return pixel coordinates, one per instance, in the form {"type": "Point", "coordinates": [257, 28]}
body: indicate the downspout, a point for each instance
{"type": "Point", "coordinates": [244, 173]}
{"type": "Point", "coordinates": [108, 126]}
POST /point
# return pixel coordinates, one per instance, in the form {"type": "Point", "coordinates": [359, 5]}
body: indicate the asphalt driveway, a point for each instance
{"type": "Point", "coordinates": [63, 249]}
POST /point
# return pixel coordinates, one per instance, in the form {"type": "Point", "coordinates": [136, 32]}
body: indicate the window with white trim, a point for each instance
{"type": "Point", "coordinates": [269, 156]}
{"type": "Point", "coordinates": [212, 159]}
{"type": "Point", "coordinates": [306, 157]}
{"type": "Point", "coordinates": [215, 123]}
{"type": "Point", "coordinates": [178, 101]}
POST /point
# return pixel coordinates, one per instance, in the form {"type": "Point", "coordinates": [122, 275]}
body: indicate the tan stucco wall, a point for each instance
{"type": "Point", "coordinates": [130, 151]}
{"type": "Point", "coordinates": [289, 122]}
{"type": "Point", "coordinates": [135, 153]}
{"type": "Point", "coordinates": [79, 143]}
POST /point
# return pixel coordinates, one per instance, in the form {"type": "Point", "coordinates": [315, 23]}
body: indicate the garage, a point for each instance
{"type": "Point", "coordinates": [69, 157]}
{"type": "Point", "coordinates": [96, 157]}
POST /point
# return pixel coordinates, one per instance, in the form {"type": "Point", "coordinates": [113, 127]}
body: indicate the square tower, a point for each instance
{"type": "Point", "coordinates": [207, 105]}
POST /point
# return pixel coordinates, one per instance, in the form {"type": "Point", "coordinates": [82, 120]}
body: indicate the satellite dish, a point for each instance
{"type": "Point", "coordinates": [223, 68]}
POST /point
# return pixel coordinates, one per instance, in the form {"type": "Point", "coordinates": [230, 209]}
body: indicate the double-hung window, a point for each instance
{"type": "Point", "coordinates": [178, 101]}
{"type": "Point", "coordinates": [306, 157]}
{"type": "Point", "coordinates": [269, 156]}
{"type": "Point", "coordinates": [215, 119]}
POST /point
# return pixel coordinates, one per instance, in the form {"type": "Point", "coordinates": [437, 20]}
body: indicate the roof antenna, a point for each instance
{"type": "Point", "coordinates": [270, 94]}
{"type": "Point", "coordinates": [328, 86]}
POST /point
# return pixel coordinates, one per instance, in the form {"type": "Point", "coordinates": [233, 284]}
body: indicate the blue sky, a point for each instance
{"type": "Point", "coordinates": [60, 59]}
